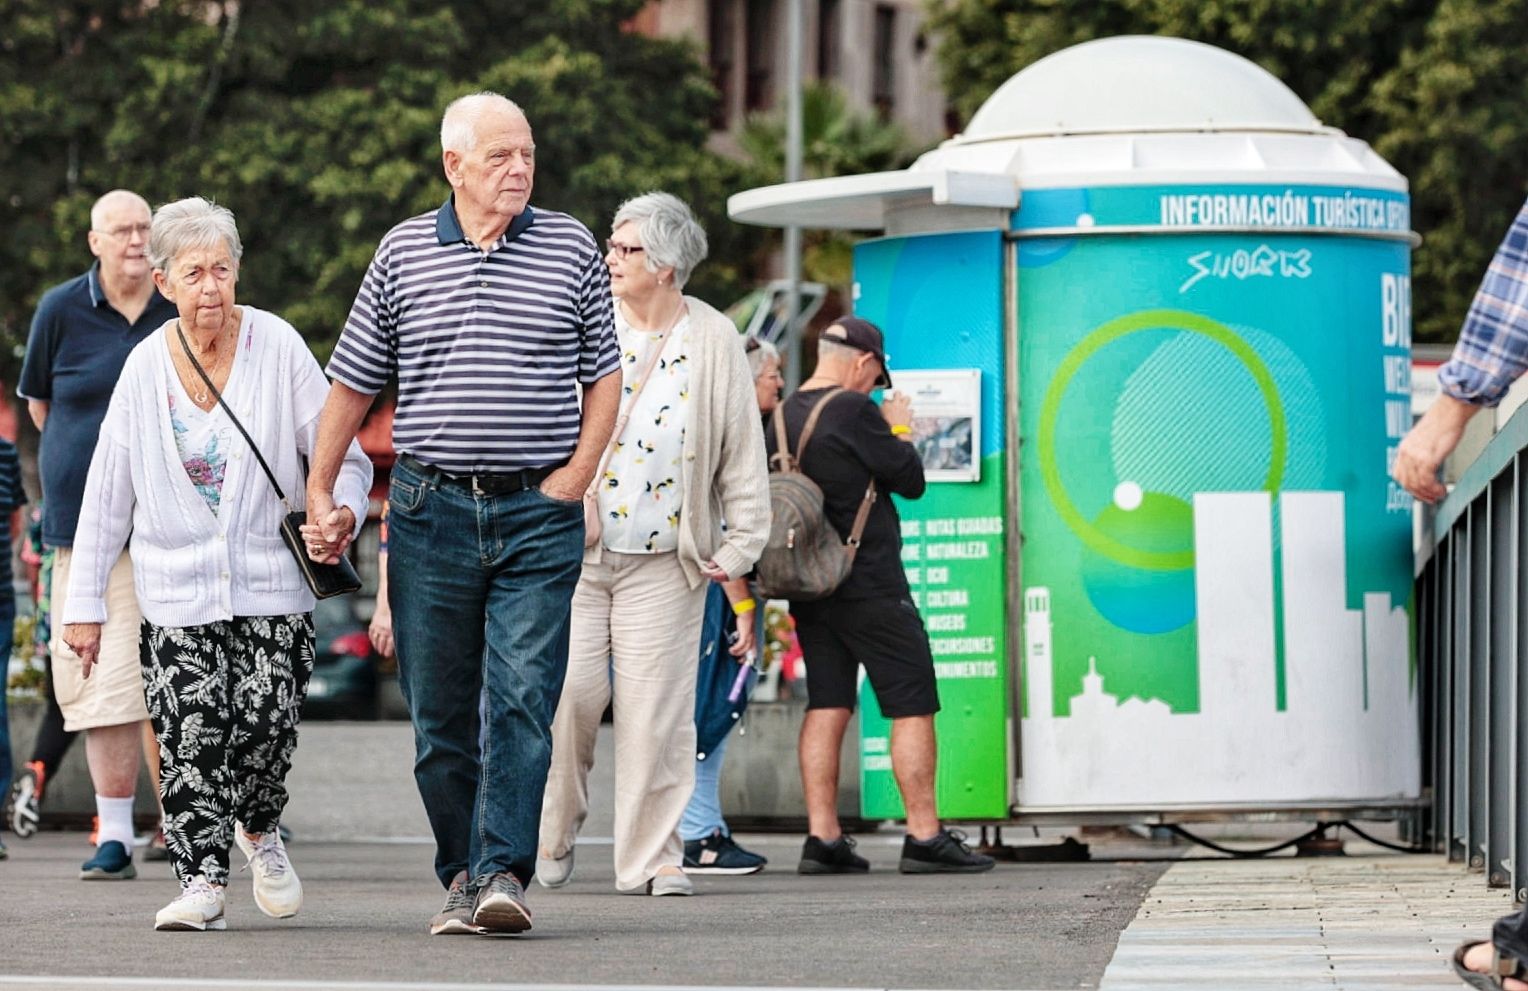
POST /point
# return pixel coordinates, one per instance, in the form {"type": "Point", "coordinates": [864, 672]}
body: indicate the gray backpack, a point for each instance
{"type": "Point", "coordinates": [804, 559]}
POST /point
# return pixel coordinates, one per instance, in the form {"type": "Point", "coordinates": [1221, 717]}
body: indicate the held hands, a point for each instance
{"type": "Point", "coordinates": [328, 531]}
{"type": "Point", "coordinates": [897, 411]}
{"type": "Point", "coordinates": [713, 571]}
{"type": "Point", "coordinates": [85, 640]}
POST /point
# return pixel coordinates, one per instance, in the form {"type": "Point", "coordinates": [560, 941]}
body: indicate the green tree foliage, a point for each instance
{"type": "Point", "coordinates": [836, 140]}
{"type": "Point", "coordinates": [317, 123]}
{"type": "Point", "coordinates": [1436, 86]}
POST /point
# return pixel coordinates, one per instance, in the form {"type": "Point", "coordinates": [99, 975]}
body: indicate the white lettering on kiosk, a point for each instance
{"type": "Point", "coordinates": [1261, 262]}
{"type": "Point", "coordinates": [1395, 336]}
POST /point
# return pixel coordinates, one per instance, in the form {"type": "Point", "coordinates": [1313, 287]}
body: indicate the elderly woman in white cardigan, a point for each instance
{"type": "Point", "coordinates": [227, 641]}
{"type": "Point", "coordinates": [690, 455]}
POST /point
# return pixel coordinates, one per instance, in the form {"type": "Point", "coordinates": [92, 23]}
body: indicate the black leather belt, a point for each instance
{"type": "Point", "coordinates": [484, 483]}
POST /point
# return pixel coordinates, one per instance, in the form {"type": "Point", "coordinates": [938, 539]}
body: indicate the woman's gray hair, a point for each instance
{"type": "Point", "coordinates": [458, 125]}
{"type": "Point", "coordinates": [760, 356]}
{"type": "Point", "coordinates": [192, 223]}
{"type": "Point", "coordinates": [670, 236]}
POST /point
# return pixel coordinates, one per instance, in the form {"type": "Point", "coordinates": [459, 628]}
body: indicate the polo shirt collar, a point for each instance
{"type": "Point", "coordinates": [93, 279]}
{"type": "Point", "coordinates": [448, 230]}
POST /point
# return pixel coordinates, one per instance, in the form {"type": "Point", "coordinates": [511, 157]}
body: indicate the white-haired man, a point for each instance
{"type": "Point", "coordinates": [81, 335]}
{"type": "Point", "coordinates": [491, 314]}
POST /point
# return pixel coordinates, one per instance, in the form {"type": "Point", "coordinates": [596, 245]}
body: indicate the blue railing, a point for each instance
{"type": "Point", "coordinates": [1472, 644]}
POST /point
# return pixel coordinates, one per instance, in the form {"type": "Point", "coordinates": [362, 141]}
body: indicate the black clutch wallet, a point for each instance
{"type": "Point", "coordinates": [324, 580]}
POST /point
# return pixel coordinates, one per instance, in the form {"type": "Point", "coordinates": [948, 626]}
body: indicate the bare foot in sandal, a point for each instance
{"type": "Point", "coordinates": [1479, 959]}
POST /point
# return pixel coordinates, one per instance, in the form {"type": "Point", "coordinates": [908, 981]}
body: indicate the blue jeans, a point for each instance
{"type": "Point", "coordinates": [8, 628]}
{"type": "Point", "coordinates": [481, 588]}
{"type": "Point", "coordinates": [703, 816]}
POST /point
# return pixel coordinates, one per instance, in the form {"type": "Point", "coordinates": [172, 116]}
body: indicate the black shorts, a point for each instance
{"type": "Point", "coordinates": [886, 636]}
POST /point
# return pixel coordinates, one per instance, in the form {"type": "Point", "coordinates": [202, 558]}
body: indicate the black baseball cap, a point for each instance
{"type": "Point", "coordinates": [861, 335]}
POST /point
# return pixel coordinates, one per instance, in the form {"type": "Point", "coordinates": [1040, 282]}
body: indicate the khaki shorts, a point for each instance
{"type": "Point", "coordinates": [113, 694]}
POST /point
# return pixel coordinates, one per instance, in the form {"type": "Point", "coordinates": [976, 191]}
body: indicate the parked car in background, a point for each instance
{"type": "Point", "coordinates": [347, 676]}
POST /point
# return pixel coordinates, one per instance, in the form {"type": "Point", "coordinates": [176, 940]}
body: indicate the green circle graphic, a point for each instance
{"type": "Point", "coordinates": [1093, 537]}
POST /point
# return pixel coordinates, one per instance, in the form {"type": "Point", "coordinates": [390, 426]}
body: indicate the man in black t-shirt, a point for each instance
{"type": "Point", "coordinates": [870, 619]}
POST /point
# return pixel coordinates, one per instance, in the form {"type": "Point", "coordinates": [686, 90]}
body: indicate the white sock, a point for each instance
{"type": "Point", "coordinates": [116, 816]}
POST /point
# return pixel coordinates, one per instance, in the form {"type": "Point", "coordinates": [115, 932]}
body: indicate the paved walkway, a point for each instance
{"type": "Point", "coordinates": [1370, 920]}
{"type": "Point", "coordinates": [1367, 921]}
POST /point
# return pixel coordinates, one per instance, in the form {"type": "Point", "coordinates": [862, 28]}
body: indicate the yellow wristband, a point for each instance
{"type": "Point", "coordinates": [900, 429]}
{"type": "Point", "coordinates": [742, 608]}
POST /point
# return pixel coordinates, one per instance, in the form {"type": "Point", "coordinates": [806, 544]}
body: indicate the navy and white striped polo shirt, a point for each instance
{"type": "Point", "coordinates": [487, 346]}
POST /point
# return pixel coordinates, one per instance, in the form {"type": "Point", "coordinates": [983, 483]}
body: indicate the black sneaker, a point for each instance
{"type": "Point", "coordinates": [837, 857]}
{"type": "Point", "coordinates": [720, 854]}
{"type": "Point", "coordinates": [501, 904]}
{"type": "Point", "coordinates": [946, 853]}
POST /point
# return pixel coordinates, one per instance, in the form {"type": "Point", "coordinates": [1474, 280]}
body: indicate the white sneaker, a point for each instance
{"type": "Point", "coordinates": [199, 907]}
{"type": "Point", "coordinates": [554, 872]}
{"type": "Point", "coordinates": [670, 884]}
{"type": "Point", "coordinates": [278, 892]}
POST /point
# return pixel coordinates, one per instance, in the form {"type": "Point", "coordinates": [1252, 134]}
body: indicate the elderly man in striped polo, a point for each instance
{"type": "Point", "coordinates": [490, 312]}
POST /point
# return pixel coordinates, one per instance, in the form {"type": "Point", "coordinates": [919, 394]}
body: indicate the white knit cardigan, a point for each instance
{"type": "Point", "coordinates": [724, 473]}
{"type": "Point", "coordinates": [191, 567]}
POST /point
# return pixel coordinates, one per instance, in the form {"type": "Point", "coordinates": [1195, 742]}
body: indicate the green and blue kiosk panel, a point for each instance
{"type": "Point", "coordinates": [1217, 571]}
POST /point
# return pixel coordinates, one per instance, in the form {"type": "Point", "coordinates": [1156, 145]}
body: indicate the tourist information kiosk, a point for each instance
{"type": "Point", "coordinates": [1155, 321]}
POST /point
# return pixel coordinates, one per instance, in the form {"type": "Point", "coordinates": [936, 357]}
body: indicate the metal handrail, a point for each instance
{"type": "Point", "coordinates": [1472, 643]}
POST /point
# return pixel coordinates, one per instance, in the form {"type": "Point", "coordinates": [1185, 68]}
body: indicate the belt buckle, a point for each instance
{"type": "Point", "coordinates": [476, 488]}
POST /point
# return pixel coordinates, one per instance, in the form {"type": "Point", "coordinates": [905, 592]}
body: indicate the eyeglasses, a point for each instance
{"type": "Point", "coordinates": [620, 250]}
{"type": "Point", "coordinates": [126, 231]}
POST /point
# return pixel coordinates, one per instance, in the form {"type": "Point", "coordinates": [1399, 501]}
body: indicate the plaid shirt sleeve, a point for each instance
{"type": "Point", "coordinates": [1493, 344]}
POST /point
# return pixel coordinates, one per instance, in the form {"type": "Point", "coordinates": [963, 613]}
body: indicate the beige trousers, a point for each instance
{"type": "Point", "coordinates": [636, 631]}
{"type": "Point", "coordinates": [113, 694]}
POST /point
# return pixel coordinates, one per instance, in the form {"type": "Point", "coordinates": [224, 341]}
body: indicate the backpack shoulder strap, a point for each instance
{"type": "Point", "coordinates": [782, 457]}
{"type": "Point", "coordinates": [860, 518]}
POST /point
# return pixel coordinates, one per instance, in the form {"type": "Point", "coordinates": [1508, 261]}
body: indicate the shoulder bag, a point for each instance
{"type": "Point", "coordinates": [324, 580]}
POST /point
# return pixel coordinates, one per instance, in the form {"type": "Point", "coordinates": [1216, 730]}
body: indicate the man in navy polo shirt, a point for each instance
{"type": "Point", "coordinates": [491, 314]}
{"type": "Point", "coordinates": [81, 335]}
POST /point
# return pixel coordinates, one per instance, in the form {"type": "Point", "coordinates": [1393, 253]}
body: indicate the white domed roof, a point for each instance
{"type": "Point", "coordinates": [1137, 84]}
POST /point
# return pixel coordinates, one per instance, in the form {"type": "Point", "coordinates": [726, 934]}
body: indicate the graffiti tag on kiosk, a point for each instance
{"type": "Point", "coordinates": [1260, 262]}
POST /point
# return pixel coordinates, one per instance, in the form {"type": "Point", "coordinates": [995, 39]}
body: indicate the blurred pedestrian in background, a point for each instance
{"type": "Point", "coordinates": [81, 336]}
{"type": "Point", "coordinates": [732, 633]}
{"type": "Point", "coordinates": [12, 498]}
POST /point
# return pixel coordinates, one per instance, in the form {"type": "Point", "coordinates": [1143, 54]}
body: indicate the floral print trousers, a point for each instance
{"type": "Point", "coordinates": [225, 699]}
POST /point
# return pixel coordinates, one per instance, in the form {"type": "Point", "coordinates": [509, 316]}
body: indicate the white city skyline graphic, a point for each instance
{"type": "Point", "coordinates": [1348, 729]}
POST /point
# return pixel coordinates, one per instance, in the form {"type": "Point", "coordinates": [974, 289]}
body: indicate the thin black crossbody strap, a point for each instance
{"type": "Point", "coordinates": [226, 409]}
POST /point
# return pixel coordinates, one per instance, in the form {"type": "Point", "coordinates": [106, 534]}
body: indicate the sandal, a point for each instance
{"type": "Point", "coordinates": [1502, 967]}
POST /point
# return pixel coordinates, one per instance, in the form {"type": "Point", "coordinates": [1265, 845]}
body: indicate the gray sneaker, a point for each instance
{"type": "Point", "coordinates": [501, 904]}
{"type": "Point", "coordinates": [456, 915]}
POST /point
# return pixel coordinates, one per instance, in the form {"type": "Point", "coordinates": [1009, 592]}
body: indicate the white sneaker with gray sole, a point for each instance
{"type": "Point", "coordinates": [278, 892]}
{"type": "Point", "coordinates": [198, 908]}
{"type": "Point", "coordinates": [554, 872]}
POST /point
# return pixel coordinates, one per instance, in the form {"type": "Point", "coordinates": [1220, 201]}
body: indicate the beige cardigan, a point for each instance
{"type": "Point", "coordinates": [724, 473]}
